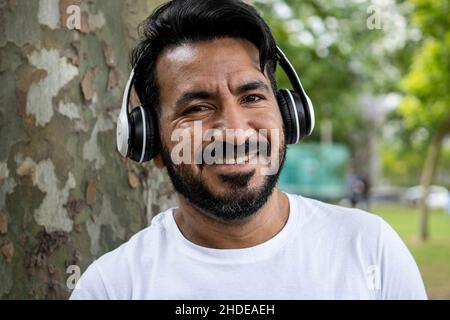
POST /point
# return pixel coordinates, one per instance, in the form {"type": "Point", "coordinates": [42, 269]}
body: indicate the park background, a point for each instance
{"type": "Point", "coordinates": [377, 72]}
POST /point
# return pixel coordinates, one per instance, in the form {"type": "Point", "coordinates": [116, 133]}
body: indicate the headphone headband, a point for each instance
{"type": "Point", "coordinates": [293, 77]}
{"type": "Point", "coordinates": [123, 127]}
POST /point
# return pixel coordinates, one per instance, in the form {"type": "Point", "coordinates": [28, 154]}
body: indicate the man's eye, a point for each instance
{"type": "Point", "coordinates": [252, 98]}
{"type": "Point", "coordinates": [195, 109]}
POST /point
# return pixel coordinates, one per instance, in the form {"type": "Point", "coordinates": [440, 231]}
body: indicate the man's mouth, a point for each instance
{"type": "Point", "coordinates": [240, 165]}
{"type": "Point", "coordinates": [231, 155]}
{"type": "Point", "coordinates": [250, 158]}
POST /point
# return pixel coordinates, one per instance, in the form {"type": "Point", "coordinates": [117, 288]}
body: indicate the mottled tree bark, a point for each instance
{"type": "Point", "coordinates": [66, 195]}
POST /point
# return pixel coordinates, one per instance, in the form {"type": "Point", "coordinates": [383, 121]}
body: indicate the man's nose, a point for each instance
{"type": "Point", "coordinates": [236, 118]}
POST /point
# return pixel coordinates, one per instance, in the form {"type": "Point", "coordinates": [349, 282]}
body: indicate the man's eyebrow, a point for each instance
{"type": "Point", "coordinates": [202, 94]}
{"type": "Point", "coordinates": [191, 95]}
{"type": "Point", "coordinates": [253, 85]}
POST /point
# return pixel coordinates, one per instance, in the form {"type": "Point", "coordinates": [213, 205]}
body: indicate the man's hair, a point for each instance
{"type": "Point", "coordinates": [181, 22]}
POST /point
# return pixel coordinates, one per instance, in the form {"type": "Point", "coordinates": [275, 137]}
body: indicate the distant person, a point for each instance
{"type": "Point", "coordinates": [365, 203]}
{"type": "Point", "coordinates": [358, 191]}
{"type": "Point", "coordinates": [235, 235]}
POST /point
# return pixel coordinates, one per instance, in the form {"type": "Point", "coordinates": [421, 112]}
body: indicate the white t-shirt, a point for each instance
{"type": "Point", "coordinates": [323, 252]}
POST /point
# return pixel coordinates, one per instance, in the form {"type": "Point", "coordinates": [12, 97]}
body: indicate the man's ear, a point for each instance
{"type": "Point", "coordinates": [159, 161]}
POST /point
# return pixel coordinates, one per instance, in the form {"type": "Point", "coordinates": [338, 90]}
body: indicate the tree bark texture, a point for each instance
{"type": "Point", "coordinates": [66, 195]}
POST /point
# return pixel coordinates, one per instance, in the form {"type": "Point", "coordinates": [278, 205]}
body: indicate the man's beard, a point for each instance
{"type": "Point", "coordinates": [234, 205]}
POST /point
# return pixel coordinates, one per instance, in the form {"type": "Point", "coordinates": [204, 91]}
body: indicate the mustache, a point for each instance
{"type": "Point", "coordinates": [228, 149]}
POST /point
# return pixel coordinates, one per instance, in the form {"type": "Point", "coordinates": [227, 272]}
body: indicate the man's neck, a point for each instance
{"type": "Point", "coordinates": [208, 232]}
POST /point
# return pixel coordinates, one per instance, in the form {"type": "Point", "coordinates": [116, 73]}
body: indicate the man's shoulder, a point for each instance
{"type": "Point", "coordinates": [141, 245]}
{"type": "Point", "coordinates": [331, 216]}
{"type": "Point", "coordinates": [111, 276]}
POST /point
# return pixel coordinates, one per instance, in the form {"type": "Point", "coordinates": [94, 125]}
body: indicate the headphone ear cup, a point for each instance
{"type": "Point", "coordinates": [286, 114]}
{"type": "Point", "coordinates": [293, 113]}
{"type": "Point", "coordinates": [153, 147]}
{"type": "Point", "coordinates": [143, 145]}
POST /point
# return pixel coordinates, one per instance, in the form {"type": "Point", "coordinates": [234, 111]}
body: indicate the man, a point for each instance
{"type": "Point", "coordinates": [234, 235]}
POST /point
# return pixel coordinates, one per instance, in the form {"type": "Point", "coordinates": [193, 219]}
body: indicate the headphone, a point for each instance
{"type": "Point", "coordinates": [137, 131]}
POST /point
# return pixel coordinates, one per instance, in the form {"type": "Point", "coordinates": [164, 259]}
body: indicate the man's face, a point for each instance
{"type": "Point", "coordinates": [219, 84]}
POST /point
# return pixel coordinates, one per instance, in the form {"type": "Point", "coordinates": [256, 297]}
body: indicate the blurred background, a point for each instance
{"type": "Point", "coordinates": [377, 73]}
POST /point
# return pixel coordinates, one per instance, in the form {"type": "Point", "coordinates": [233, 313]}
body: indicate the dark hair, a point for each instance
{"type": "Point", "coordinates": [186, 21]}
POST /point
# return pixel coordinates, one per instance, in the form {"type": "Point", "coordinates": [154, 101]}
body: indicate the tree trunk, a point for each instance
{"type": "Point", "coordinates": [428, 173]}
{"type": "Point", "coordinates": [66, 195]}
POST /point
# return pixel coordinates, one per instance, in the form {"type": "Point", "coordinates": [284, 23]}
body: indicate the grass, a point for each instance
{"type": "Point", "coordinates": [433, 256]}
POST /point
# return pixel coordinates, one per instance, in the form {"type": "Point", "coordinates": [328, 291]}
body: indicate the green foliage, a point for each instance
{"type": "Point", "coordinates": [401, 166]}
{"type": "Point", "coordinates": [433, 17]}
{"type": "Point", "coordinates": [425, 108]}
{"type": "Point", "coordinates": [427, 100]}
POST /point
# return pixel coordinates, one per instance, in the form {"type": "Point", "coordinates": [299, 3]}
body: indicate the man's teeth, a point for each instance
{"type": "Point", "coordinates": [241, 159]}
